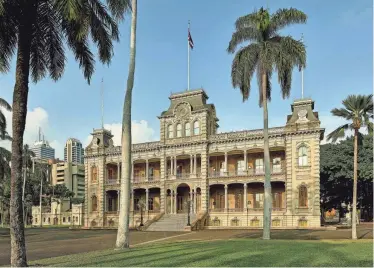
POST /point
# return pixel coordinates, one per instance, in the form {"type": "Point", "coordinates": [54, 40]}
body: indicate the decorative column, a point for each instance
{"type": "Point", "coordinates": [171, 166]}
{"type": "Point", "coordinates": [175, 202]}
{"type": "Point", "coordinates": [226, 200]}
{"type": "Point", "coordinates": [118, 172]}
{"type": "Point", "coordinates": [146, 169]}
{"type": "Point", "coordinates": [132, 171]}
{"type": "Point", "coordinates": [146, 198]}
{"type": "Point", "coordinates": [195, 164]}
{"type": "Point", "coordinates": [105, 202]}
{"type": "Point", "coordinates": [226, 170]}
{"type": "Point", "coordinates": [175, 165]}
{"type": "Point", "coordinates": [245, 161]}
{"type": "Point", "coordinates": [132, 200]}
{"type": "Point", "coordinates": [191, 164]}
{"type": "Point", "coordinates": [194, 201]}
{"type": "Point", "coordinates": [171, 202]}
{"type": "Point", "coordinates": [191, 199]}
{"type": "Point", "coordinates": [245, 197]}
{"type": "Point", "coordinates": [118, 199]}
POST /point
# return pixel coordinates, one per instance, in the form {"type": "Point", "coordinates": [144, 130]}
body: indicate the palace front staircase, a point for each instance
{"type": "Point", "coordinates": [171, 222]}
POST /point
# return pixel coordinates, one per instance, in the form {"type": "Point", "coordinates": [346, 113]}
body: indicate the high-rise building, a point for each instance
{"type": "Point", "coordinates": [73, 152]}
{"type": "Point", "coordinates": [70, 174]}
{"type": "Point", "coordinates": [42, 149]}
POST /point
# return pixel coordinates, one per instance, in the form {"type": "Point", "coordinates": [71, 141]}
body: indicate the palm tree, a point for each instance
{"type": "Point", "coordinates": [37, 30]}
{"type": "Point", "coordinates": [124, 215]}
{"type": "Point", "coordinates": [358, 109]}
{"type": "Point", "coordinates": [266, 52]}
{"type": "Point", "coordinates": [4, 104]}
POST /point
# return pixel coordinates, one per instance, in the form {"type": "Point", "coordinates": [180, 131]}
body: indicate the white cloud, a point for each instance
{"type": "Point", "coordinates": [330, 123]}
{"type": "Point", "coordinates": [38, 117]}
{"type": "Point", "coordinates": [141, 132]}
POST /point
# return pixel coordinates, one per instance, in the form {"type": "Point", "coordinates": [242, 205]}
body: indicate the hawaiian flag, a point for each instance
{"type": "Point", "coordinates": [190, 41]}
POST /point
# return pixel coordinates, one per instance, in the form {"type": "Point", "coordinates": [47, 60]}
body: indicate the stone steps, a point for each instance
{"type": "Point", "coordinates": [171, 222]}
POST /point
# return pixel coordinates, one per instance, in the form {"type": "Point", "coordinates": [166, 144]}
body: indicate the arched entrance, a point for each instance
{"type": "Point", "coordinates": [183, 196]}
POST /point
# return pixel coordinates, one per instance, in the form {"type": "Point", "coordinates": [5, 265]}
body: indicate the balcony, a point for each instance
{"type": "Point", "coordinates": [245, 173]}
{"type": "Point", "coordinates": [138, 179]}
{"type": "Point", "coordinates": [111, 182]}
{"type": "Point", "coordinates": [183, 175]}
{"type": "Point", "coordinates": [153, 178]}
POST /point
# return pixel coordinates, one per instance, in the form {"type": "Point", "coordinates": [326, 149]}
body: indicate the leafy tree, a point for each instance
{"type": "Point", "coordinates": [266, 52]}
{"type": "Point", "coordinates": [122, 240]}
{"type": "Point", "coordinates": [37, 31]}
{"type": "Point", "coordinates": [337, 173]}
{"type": "Point", "coordinates": [358, 110]}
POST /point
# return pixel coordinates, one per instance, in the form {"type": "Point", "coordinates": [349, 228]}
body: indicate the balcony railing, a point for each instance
{"type": "Point", "coordinates": [111, 182]}
{"type": "Point", "coordinates": [153, 178]}
{"type": "Point", "coordinates": [139, 178]}
{"type": "Point", "coordinates": [183, 175]}
{"type": "Point", "coordinates": [249, 172]}
{"type": "Point", "coordinates": [243, 209]}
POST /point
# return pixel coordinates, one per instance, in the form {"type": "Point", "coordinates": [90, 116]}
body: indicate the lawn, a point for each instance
{"type": "Point", "coordinates": [235, 252]}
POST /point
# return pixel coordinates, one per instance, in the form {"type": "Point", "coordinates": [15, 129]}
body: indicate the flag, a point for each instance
{"type": "Point", "coordinates": [190, 41]}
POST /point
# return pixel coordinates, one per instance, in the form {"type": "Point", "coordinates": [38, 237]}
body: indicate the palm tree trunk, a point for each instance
{"type": "Point", "coordinates": [124, 214]}
{"type": "Point", "coordinates": [20, 96]}
{"type": "Point", "coordinates": [354, 205]}
{"type": "Point", "coordinates": [267, 185]}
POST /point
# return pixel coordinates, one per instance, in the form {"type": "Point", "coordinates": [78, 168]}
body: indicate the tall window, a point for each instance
{"type": "Point", "coordinates": [110, 174]}
{"type": "Point", "coordinates": [277, 164]}
{"type": "Point", "coordinates": [303, 196]}
{"type": "Point", "coordinates": [94, 174]}
{"type": "Point", "coordinates": [259, 200]}
{"type": "Point", "coordinates": [277, 200]}
{"type": "Point", "coordinates": [303, 155]}
{"type": "Point", "coordinates": [150, 203]}
{"type": "Point", "coordinates": [150, 173]}
{"type": "Point", "coordinates": [170, 132]}
{"type": "Point", "coordinates": [196, 128]}
{"type": "Point", "coordinates": [179, 130]}
{"type": "Point", "coordinates": [259, 166]}
{"type": "Point", "coordinates": [240, 168]}
{"type": "Point", "coordinates": [94, 203]}
{"type": "Point", "coordinates": [187, 129]}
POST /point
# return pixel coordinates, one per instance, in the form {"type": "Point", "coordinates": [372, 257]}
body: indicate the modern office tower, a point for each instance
{"type": "Point", "coordinates": [73, 152]}
{"type": "Point", "coordinates": [42, 149]}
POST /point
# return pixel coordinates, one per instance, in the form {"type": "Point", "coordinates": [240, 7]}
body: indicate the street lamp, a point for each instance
{"type": "Point", "coordinates": [188, 212]}
{"type": "Point", "coordinates": [141, 215]}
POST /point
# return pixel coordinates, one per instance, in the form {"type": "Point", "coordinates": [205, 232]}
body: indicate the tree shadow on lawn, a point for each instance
{"type": "Point", "coordinates": [238, 252]}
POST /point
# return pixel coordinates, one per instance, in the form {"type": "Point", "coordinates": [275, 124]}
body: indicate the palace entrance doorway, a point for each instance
{"type": "Point", "coordinates": [183, 196]}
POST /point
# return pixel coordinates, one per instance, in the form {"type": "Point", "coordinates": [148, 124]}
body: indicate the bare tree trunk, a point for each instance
{"type": "Point", "coordinates": [20, 95]}
{"type": "Point", "coordinates": [267, 184]}
{"type": "Point", "coordinates": [354, 205]}
{"type": "Point", "coordinates": [124, 215]}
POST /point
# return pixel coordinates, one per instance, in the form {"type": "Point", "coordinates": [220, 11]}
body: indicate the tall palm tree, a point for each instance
{"type": "Point", "coordinates": [124, 214]}
{"type": "Point", "coordinates": [358, 109]}
{"type": "Point", "coordinates": [37, 30]}
{"type": "Point", "coordinates": [267, 51]}
{"type": "Point", "coordinates": [4, 104]}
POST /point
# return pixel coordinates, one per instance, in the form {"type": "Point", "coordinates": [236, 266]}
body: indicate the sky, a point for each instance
{"type": "Point", "coordinates": [338, 36]}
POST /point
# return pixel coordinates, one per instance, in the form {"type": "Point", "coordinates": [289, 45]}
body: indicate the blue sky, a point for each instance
{"type": "Point", "coordinates": [338, 36]}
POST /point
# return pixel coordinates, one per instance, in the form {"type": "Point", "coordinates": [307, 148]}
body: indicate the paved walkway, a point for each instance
{"type": "Point", "coordinates": [53, 242]}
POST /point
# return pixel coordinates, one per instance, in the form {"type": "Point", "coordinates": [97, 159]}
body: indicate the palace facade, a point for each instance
{"type": "Point", "coordinates": [218, 177]}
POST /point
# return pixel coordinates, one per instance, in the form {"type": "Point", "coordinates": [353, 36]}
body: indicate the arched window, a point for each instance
{"type": "Point", "coordinates": [303, 196]}
{"type": "Point", "coordinates": [303, 155]}
{"type": "Point", "coordinates": [179, 130]}
{"type": "Point", "coordinates": [94, 203]}
{"type": "Point", "coordinates": [170, 132]}
{"type": "Point", "coordinates": [187, 129]}
{"type": "Point", "coordinates": [94, 174]}
{"type": "Point", "coordinates": [196, 128]}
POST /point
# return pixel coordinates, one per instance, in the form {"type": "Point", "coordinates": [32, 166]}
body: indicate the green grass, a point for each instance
{"type": "Point", "coordinates": [236, 252]}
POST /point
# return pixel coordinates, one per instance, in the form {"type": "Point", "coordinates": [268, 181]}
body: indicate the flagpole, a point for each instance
{"type": "Point", "coordinates": [302, 73]}
{"type": "Point", "coordinates": [188, 59]}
